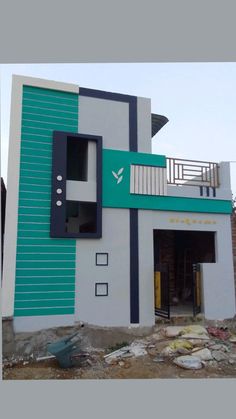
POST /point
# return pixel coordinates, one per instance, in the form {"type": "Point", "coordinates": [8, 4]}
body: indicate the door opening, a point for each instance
{"type": "Point", "coordinates": [182, 252]}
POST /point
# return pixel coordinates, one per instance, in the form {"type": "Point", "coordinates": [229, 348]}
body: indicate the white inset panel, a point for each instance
{"type": "Point", "coordinates": [81, 191]}
{"type": "Point", "coordinates": [148, 180]}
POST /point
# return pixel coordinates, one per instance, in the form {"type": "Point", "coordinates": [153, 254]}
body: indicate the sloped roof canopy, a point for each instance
{"type": "Point", "coordinates": [158, 121]}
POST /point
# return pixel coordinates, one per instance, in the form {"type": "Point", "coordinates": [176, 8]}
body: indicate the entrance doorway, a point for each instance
{"type": "Point", "coordinates": [177, 255]}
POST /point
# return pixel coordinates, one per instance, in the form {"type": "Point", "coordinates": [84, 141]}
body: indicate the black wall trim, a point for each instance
{"type": "Point", "coordinates": [134, 267]}
{"type": "Point", "coordinates": [131, 100]}
{"type": "Point", "coordinates": [133, 146]}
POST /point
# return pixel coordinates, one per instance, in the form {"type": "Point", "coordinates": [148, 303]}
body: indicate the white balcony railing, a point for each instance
{"type": "Point", "coordinates": [192, 173]}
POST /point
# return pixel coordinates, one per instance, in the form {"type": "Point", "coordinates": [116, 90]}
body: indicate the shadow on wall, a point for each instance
{"type": "Point", "coordinates": [3, 209]}
{"type": "Point", "coordinates": [233, 223]}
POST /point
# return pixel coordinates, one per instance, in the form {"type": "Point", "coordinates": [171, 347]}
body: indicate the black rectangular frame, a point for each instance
{"type": "Point", "coordinates": [96, 286]}
{"type": "Point", "coordinates": [59, 162]}
{"type": "Point", "coordinates": [96, 259]}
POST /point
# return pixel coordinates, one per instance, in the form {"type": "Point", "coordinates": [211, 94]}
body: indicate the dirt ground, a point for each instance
{"type": "Point", "coordinates": [151, 365]}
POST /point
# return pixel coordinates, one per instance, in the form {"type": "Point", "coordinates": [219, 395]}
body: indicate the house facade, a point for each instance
{"type": "Point", "coordinates": [100, 230]}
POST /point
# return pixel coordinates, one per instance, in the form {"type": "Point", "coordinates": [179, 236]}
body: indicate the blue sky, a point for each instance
{"type": "Point", "coordinates": [199, 99]}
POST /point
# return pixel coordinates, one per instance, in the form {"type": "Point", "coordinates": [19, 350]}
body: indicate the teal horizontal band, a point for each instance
{"type": "Point", "coordinates": [44, 288]}
{"type": "Point", "coordinates": [36, 150]}
{"type": "Point", "coordinates": [39, 160]}
{"type": "Point", "coordinates": [35, 111]}
{"type": "Point", "coordinates": [44, 303]}
{"type": "Point", "coordinates": [31, 203]}
{"type": "Point", "coordinates": [43, 311]}
{"type": "Point", "coordinates": [43, 139]}
{"type": "Point", "coordinates": [35, 195]}
{"type": "Point", "coordinates": [23, 210]}
{"type": "Point", "coordinates": [44, 272]}
{"type": "Point", "coordinates": [33, 234]}
{"type": "Point", "coordinates": [37, 226]}
{"type": "Point", "coordinates": [40, 125]}
{"type": "Point", "coordinates": [55, 264]}
{"type": "Point", "coordinates": [37, 97]}
{"type": "Point", "coordinates": [43, 170]}
{"type": "Point", "coordinates": [30, 171]}
{"type": "Point", "coordinates": [46, 249]}
{"type": "Point", "coordinates": [28, 187]}
{"type": "Point", "coordinates": [50, 92]}
{"type": "Point", "coordinates": [169, 203]}
{"type": "Point", "coordinates": [66, 257]}
{"type": "Point", "coordinates": [44, 296]}
{"type": "Point", "coordinates": [47, 119]}
{"type": "Point", "coordinates": [49, 105]}
{"type": "Point", "coordinates": [27, 241]}
{"type": "Point", "coordinates": [32, 180]}
{"type": "Point", "coordinates": [50, 280]}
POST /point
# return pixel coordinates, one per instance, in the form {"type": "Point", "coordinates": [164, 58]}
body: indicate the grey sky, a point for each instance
{"type": "Point", "coordinates": [199, 99]}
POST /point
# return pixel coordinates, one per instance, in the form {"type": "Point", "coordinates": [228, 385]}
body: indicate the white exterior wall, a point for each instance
{"type": "Point", "coordinates": [114, 309]}
{"type": "Point", "coordinates": [107, 118]}
{"type": "Point", "coordinates": [110, 119]}
{"type": "Point", "coordinates": [144, 125]}
{"type": "Point", "coordinates": [217, 278]}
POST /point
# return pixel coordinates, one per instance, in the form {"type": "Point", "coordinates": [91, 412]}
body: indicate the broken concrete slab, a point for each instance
{"type": "Point", "coordinates": [172, 331]}
{"type": "Point", "coordinates": [219, 356]}
{"type": "Point", "coordinates": [188, 362]}
{"type": "Point", "coordinates": [204, 354]}
{"type": "Point", "coordinates": [195, 336]}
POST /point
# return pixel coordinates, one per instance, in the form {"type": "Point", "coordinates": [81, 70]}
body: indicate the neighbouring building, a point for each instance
{"type": "Point", "coordinates": [99, 229]}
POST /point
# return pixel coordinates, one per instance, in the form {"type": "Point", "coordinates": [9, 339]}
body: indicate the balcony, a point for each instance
{"type": "Point", "coordinates": [192, 173]}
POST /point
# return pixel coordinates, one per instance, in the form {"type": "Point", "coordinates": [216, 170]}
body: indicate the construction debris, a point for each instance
{"type": "Point", "coordinates": [219, 332]}
{"type": "Point", "coordinates": [203, 354]}
{"type": "Point", "coordinates": [188, 362]}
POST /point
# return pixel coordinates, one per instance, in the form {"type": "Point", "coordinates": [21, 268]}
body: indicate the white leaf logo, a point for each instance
{"type": "Point", "coordinates": [119, 179]}
{"type": "Point", "coordinates": [117, 175]}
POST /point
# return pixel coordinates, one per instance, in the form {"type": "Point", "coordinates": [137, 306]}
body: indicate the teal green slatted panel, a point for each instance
{"type": "Point", "coordinates": [28, 187]}
{"type": "Point", "coordinates": [67, 295]}
{"type": "Point", "coordinates": [31, 264]}
{"type": "Point", "coordinates": [30, 180]}
{"type": "Point", "coordinates": [47, 256]}
{"type": "Point", "coordinates": [35, 204]}
{"type": "Point", "coordinates": [40, 125]}
{"type": "Point", "coordinates": [28, 150]}
{"type": "Point", "coordinates": [45, 280]}
{"type": "Point", "coordinates": [35, 195]}
{"type": "Point", "coordinates": [44, 303]}
{"type": "Point", "coordinates": [45, 267]}
{"type": "Point", "coordinates": [49, 97]}
{"type": "Point", "coordinates": [46, 249]}
{"type": "Point", "coordinates": [34, 173]}
{"type": "Point", "coordinates": [47, 120]}
{"type": "Point", "coordinates": [28, 138]}
{"type": "Point", "coordinates": [44, 288]}
{"type": "Point", "coordinates": [44, 272]}
{"type": "Point", "coordinates": [30, 110]}
{"type": "Point", "coordinates": [40, 161]}
{"type": "Point", "coordinates": [33, 211]}
{"type": "Point", "coordinates": [43, 311]}
{"type": "Point", "coordinates": [44, 242]}
{"type": "Point", "coordinates": [33, 234]}
{"type": "Point", "coordinates": [41, 225]}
